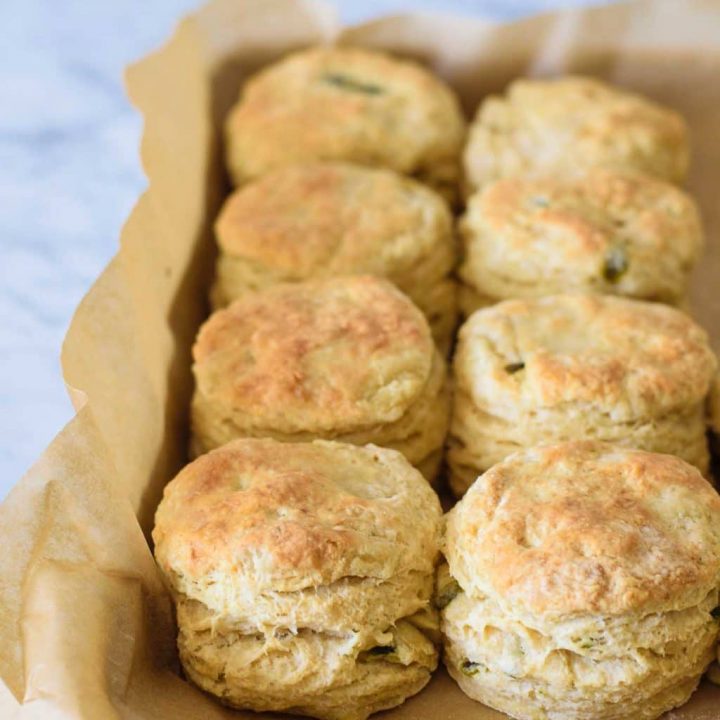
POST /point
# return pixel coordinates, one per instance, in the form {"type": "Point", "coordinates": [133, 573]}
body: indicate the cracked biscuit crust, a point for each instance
{"type": "Point", "coordinates": [258, 515]}
{"type": "Point", "coordinates": [623, 357]}
{"type": "Point", "coordinates": [337, 103]}
{"type": "Point", "coordinates": [584, 527]}
{"type": "Point", "coordinates": [568, 125]}
{"type": "Point", "coordinates": [612, 232]}
{"type": "Point", "coordinates": [348, 358]}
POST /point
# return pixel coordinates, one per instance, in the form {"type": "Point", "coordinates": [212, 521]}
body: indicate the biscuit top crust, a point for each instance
{"type": "Point", "coordinates": [584, 528]}
{"type": "Point", "coordinates": [587, 353]}
{"type": "Point", "coordinates": [550, 228]}
{"type": "Point", "coordinates": [571, 124]}
{"type": "Point", "coordinates": [332, 219]}
{"type": "Point", "coordinates": [325, 356]}
{"type": "Point", "coordinates": [260, 515]}
{"type": "Point", "coordinates": [340, 103]}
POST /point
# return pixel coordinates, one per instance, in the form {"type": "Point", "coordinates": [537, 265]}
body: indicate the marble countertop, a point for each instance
{"type": "Point", "coordinates": [70, 173]}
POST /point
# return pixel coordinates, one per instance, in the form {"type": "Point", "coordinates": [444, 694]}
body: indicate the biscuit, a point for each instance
{"type": "Point", "coordinates": [302, 575]}
{"type": "Point", "coordinates": [328, 219]}
{"type": "Point", "coordinates": [567, 367]}
{"type": "Point", "coordinates": [608, 231]}
{"type": "Point", "coordinates": [584, 583]}
{"type": "Point", "coordinates": [567, 125]}
{"type": "Point", "coordinates": [349, 359]}
{"type": "Point", "coordinates": [339, 103]}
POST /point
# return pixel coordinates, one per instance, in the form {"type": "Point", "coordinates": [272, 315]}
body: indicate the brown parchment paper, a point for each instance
{"type": "Point", "coordinates": [86, 628]}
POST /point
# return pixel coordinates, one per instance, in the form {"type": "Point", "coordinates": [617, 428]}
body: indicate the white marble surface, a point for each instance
{"type": "Point", "coordinates": [69, 174]}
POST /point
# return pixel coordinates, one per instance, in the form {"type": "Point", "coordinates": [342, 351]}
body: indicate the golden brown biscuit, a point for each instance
{"type": "Point", "coordinates": [303, 576]}
{"type": "Point", "coordinates": [347, 358]}
{"type": "Point", "coordinates": [568, 367]}
{"type": "Point", "coordinates": [339, 103]}
{"type": "Point", "coordinates": [585, 583]}
{"type": "Point", "coordinates": [565, 126]}
{"type": "Point", "coordinates": [608, 231]}
{"type": "Point", "coordinates": [329, 219]}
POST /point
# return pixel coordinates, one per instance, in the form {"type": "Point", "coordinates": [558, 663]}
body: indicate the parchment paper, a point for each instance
{"type": "Point", "coordinates": [86, 627]}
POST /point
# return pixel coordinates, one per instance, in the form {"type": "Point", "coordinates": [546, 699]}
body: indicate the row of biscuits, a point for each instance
{"type": "Point", "coordinates": [302, 547]}
{"type": "Point", "coordinates": [581, 579]}
{"type": "Point", "coordinates": [576, 583]}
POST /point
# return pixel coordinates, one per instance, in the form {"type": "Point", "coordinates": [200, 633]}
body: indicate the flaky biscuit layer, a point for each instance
{"type": "Point", "coordinates": [349, 359]}
{"type": "Point", "coordinates": [564, 367]}
{"type": "Point", "coordinates": [582, 582]}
